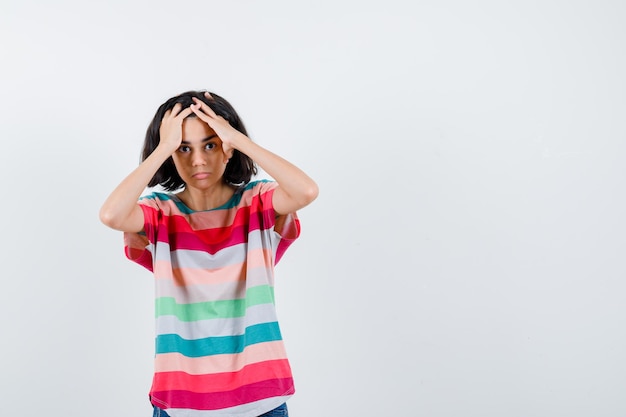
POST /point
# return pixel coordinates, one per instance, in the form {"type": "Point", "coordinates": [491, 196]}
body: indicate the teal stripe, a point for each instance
{"type": "Point", "coordinates": [220, 345]}
{"type": "Point", "coordinates": [222, 309]}
{"type": "Point", "coordinates": [233, 202]}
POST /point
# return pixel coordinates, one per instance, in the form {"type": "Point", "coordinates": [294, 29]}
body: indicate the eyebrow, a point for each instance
{"type": "Point", "coordinates": [184, 142]}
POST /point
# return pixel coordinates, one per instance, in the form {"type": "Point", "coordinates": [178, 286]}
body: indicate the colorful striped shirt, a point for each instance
{"type": "Point", "coordinates": [219, 349]}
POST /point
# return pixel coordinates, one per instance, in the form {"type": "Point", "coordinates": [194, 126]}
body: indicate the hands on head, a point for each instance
{"type": "Point", "coordinates": [171, 125]}
{"type": "Point", "coordinates": [220, 126]}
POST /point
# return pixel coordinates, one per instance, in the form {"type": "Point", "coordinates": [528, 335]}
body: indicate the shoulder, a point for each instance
{"type": "Point", "coordinates": [154, 198]}
{"type": "Point", "coordinates": [162, 202]}
{"type": "Point", "coordinates": [254, 193]}
{"type": "Point", "coordinates": [256, 189]}
{"type": "Point", "coordinates": [259, 186]}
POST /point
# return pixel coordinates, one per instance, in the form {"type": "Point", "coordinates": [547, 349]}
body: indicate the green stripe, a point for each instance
{"type": "Point", "coordinates": [223, 309]}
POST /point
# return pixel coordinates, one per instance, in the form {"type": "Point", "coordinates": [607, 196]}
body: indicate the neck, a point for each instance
{"type": "Point", "coordinates": [206, 199]}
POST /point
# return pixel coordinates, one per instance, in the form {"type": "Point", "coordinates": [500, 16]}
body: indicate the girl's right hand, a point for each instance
{"type": "Point", "coordinates": [171, 130]}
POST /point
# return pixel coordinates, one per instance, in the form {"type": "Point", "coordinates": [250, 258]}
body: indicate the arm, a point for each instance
{"type": "Point", "coordinates": [120, 210]}
{"type": "Point", "coordinates": [295, 188]}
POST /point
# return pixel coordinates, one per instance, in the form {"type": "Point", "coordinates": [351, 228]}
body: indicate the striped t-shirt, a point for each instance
{"type": "Point", "coordinates": [219, 349]}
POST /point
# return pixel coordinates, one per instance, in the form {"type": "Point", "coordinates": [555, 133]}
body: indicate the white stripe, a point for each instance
{"type": "Point", "coordinates": [262, 313]}
{"type": "Point", "coordinates": [254, 409]}
{"type": "Point", "coordinates": [186, 258]}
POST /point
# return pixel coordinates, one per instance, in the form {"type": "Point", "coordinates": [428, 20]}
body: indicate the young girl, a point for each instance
{"type": "Point", "coordinates": [212, 247]}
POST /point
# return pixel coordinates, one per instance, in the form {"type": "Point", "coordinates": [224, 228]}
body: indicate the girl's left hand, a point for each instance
{"type": "Point", "coordinates": [222, 128]}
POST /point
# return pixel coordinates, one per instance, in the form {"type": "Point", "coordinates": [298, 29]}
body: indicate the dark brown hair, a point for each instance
{"type": "Point", "coordinates": [239, 169]}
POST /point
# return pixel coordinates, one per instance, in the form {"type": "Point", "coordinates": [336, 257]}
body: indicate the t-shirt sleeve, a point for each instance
{"type": "Point", "coordinates": [286, 226]}
{"type": "Point", "coordinates": [138, 247]}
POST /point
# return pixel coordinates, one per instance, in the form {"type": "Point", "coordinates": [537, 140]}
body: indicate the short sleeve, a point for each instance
{"type": "Point", "coordinates": [138, 246]}
{"type": "Point", "coordinates": [287, 226]}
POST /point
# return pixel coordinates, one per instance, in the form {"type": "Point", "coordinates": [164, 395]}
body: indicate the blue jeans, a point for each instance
{"type": "Point", "coordinates": [280, 411]}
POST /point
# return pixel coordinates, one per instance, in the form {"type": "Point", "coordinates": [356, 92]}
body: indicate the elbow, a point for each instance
{"type": "Point", "coordinates": [310, 193]}
{"type": "Point", "coordinates": [301, 196]}
{"type": "Point", "coordinates": [108, 218]}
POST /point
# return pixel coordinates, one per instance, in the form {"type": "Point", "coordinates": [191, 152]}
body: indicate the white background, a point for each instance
{"type": "Point", "coordinates": [465, 256]}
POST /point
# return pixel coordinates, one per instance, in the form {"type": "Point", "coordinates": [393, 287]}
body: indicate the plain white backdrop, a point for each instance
{"type": "Point", "coordinates": [465, 256]}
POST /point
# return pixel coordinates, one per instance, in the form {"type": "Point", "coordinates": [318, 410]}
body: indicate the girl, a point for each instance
{"type": "Point", "coordinates": [212, 246]}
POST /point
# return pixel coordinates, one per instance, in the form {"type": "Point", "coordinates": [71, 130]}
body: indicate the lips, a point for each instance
{"type": "Point", "coordinates": [201, 175]}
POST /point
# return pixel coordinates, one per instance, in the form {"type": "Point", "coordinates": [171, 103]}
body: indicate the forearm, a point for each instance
{"type": "Point", "coordinates": [295, 188]}
{"type": "Point", "coordinates": [121, 203]}
{"type": "Point", "coordinates": [294, 182]}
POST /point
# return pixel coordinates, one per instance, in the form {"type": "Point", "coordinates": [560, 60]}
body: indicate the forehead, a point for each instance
{"type": "Point", "coordinates": [195, 130]}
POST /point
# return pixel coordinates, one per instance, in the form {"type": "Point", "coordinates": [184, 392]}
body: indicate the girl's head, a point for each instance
{"type": "Point", "coordinates": [239, 169]}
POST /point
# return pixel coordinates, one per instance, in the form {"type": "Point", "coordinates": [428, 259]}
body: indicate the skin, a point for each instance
{"type": "Point", "coordinates": [201, 162]}
{"type": "Point", "coordinates": [201, 147]}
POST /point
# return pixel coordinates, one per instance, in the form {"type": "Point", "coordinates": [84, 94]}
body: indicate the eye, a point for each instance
{"type": "Point", "coordinates": [184, 149]}
{"type": "Point", "coordinates": [210, 145]}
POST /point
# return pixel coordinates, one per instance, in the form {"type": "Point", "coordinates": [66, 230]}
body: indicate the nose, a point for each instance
{"type": "Point", "coordinates": [198, 158]}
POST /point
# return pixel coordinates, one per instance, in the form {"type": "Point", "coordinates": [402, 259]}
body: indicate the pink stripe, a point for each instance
{"type": "Point", "coordinates": [228, 273]}
{"type": "Point", "coordinates": [227, 381]}
{"type": "Point", "coordinates": [193, 276]}
{"type": "Point", "coordinates": [256, 256]}
{"type": "Point", "coordinates": [251, 201]}
{"type": "Point", "coordinates": [290, 232]}
{"type": "Point", "coordinates": [224, 399]}
{"type": "Point", "coordinates": [169, 362]}
{"type": "Point", "coordinates": [210, 240]}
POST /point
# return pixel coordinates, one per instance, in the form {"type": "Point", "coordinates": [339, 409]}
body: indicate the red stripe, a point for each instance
{"type": "Point", "coordinates": [211, 239]}
{"type": "Point", "coordinates": [135, 249]}
{"type": "Point", "coordinates": [208, 241]}
{"type": "Point", "coordinates": [225, 381]}
{"type": "Point", "coordinates": [224, 399]}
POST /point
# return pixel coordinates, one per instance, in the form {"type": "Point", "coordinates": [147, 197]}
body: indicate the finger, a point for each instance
{"type": "Point", "coordinates": [205, 107]}
{"type": "Point", "coordinates": [227, 155]}
{"type": "Point", "coordinates": [176, 109]}
{"type": "Point", "coordinates": [201, 115]}
{"type": "Point", "coordinates": [184, 113]}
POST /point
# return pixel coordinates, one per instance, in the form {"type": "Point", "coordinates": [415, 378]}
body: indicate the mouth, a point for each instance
{"type": "Point", "coordinates": [201, 175]}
